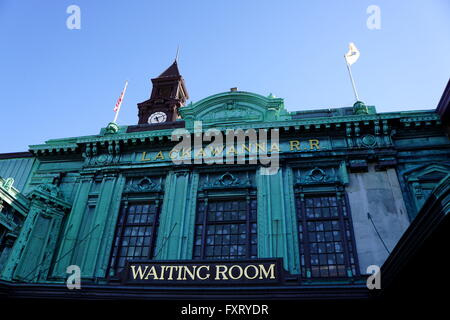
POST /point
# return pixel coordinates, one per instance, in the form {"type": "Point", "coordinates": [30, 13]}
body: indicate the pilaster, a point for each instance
{"type": "Point", "coordinates": [73, 225]}
{"type": "Point", "coordinates": [175, 235]}
{"type": "Point", "coordinates": [96, 255]}
{"type": "Point", "coordinates": [276, 219]}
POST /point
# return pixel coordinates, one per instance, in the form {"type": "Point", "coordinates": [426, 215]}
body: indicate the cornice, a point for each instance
{"type": "Point", "coordinates": [406, 120]}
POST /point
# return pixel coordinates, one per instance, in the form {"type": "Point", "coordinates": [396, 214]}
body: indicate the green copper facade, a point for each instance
{"type": "Point", "coordinates": [382, 166]}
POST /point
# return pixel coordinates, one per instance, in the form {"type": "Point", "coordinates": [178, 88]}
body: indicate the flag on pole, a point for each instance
{"type": "Point", "coordinates": [119, 101]}
{"type": "Point", "coordinates": [352, 55]}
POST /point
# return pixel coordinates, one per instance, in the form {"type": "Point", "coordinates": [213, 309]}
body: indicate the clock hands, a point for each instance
{"type": "Point", "coordinates": [157, 118]}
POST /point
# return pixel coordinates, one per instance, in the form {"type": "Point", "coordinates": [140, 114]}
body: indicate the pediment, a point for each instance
{"type": "Point", "coordinates": [435, 171]}
{"type": "Point", "coordinates": [234, 107]}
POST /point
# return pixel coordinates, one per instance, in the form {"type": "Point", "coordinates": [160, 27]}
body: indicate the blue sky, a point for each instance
{"type": "Point", "coordinates": [56, 82]}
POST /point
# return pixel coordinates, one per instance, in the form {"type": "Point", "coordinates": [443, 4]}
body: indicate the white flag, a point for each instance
{"type": "Point", "coordinates": [352, 55]}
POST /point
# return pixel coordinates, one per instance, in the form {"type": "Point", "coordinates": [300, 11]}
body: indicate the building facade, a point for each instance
{"type": "Point", "coordinates": [343, 187]}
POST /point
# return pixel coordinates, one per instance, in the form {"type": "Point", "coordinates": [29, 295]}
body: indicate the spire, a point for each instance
{"type": "Point", "coordinates": [171, 71]}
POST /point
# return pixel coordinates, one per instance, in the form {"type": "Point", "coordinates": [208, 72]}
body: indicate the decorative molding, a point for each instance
{"type": "Point", "coordinates": [329, 174]}
{"type": "Point", "coordinates": [112, 128]}
{"type": "Point", "coordinates": [7, 216]}
{"type": "Point", "coordinates": [422, 177]}
{"type": "Point", "coordinates": [50, 195]}
{"type": "Point", "coordinates": [143, 185]}
{"type": "Point", "coordinates": [229, 107]}
{"type": "Point", "coordinates": [227, 180]}
{"type": "Point", "coordinates": [368, 141]}
{"type": "Point", "coordinates": [7, 184]}
{"type": "Point", "coordinates": [317, 175]}
{"type": "Point", "coordinates": [416, 173]}
{"type": "Point", "coordinates": [275, 117]}
{"type": "Point", "coordinates": [358, 165]}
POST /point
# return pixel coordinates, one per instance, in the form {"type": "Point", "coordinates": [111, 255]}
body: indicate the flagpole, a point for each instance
{"type": "Point", "coordinates": [351, 78]}
{"type": "Point", "coordinates": [120, 103]}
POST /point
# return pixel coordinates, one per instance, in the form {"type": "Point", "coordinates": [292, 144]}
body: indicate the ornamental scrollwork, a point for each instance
{"type": "Point", "coordinates": [369, 141]}
{"type": "Point", "coordinates": [316, 175]}
{"type": "Point", "coordinates": [51, 189]}
{"type": "Point", "coordinates": [227, 180]}
{"type": "Point", "coordinates": [7, 184]}
{"type": "Point", "coordinates": [143, 185]}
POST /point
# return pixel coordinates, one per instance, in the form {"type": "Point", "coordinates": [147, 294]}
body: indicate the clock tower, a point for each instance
{"type": "Point", "coordinates": [168, 95]}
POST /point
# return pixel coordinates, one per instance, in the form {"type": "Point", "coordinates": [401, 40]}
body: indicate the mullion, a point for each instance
{"type": "Point", "coordinates": [305, 234]}
{"type": "Point", "coordinates": [217, 247]}
{"type": "Point", "coordinates": [249, 233]}
{"type": "Point", "coordinates": [122, 231]}
{"type": "Point", "coordinates": [154, 229]}
{"type": "Point", "coordinates": [205, 219]}
{"type": "Point", "coordinates": [352, 240]}
{"type": "Point", "coordinates": [344, 235]}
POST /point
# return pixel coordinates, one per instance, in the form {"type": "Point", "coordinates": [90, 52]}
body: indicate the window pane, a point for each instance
{"type": "Point", "coordinates": [134, 234]}
{"type": "Point", "coordinates": [230, 230]}
{"type": "Point", "coordinates": [323, 249]}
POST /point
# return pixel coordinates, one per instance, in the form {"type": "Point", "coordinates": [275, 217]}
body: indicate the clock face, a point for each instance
{"type": "Point", "coordinates": [157, 117]}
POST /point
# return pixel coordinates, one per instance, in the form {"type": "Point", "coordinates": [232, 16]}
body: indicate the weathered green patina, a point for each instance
{"type": "Point", "coordinates": [71, 203]}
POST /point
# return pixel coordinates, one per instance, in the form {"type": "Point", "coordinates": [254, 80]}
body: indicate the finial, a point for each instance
{"type": "Point", "coordinates": [178, 51]}
{"type": "Point", "coordinates": [360, 108]}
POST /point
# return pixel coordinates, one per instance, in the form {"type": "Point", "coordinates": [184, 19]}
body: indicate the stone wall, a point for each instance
{"type": "Point", "coordinates": [377, 193]}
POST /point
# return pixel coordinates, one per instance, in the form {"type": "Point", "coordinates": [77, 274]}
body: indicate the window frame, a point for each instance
{"type": "Point", "coordinates": [245, 194]}
{"type": "Point", "coordinates": [127, 201]}
{"type": "Point", "coordinates": [300, 195]}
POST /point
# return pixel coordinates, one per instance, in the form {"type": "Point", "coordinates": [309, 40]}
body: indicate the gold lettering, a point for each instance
{"type": "Point", "coordinates": [246, 272]}
{"type": "Point", "coordinates": [143, 158]}
{"type": "Point", "coordinates": [186, 153]}
{"type": "Point", "coordinates": [161, 275]}
{"type": "Point", "coordinates": [139, 271]}
{"type": "Point", "coordinates": [152, 273]}
{"type": "Point", "coordinates": [314, 143]}
{"type": "Point", "coordinates": [201, 152]}
{"type": "Point", "coordinates": [221, 272]}
{"type": "Point", "coordinates": [180, 268]}
{"type": "Point", "coordinates": [199, 275]}
{"type": "Point", "coordinates": [263, 271]}
{"type": "Point", "coordinates": [191, 274]}
{"type": "Point", "coordinates": [275, 146]}
{"type": "Point", "coordinates": [171, 156]}
{"type": "Point", "coordinates": [217, 150]}
{"type": "Point", "coordinates": [294, 144]}
{"type": "Point", "coordinates": [231, 150]}
{"type": "Point", "coordinates": [159, 155]}
{"type": "Point", "coordinates": [231, 272]}
{"type": "Point", "coordinates": [170, 268]}
{"type": "Point", "coordinates": [261, 146]}
{"type": "Point", "coordinates": [244, 147]}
